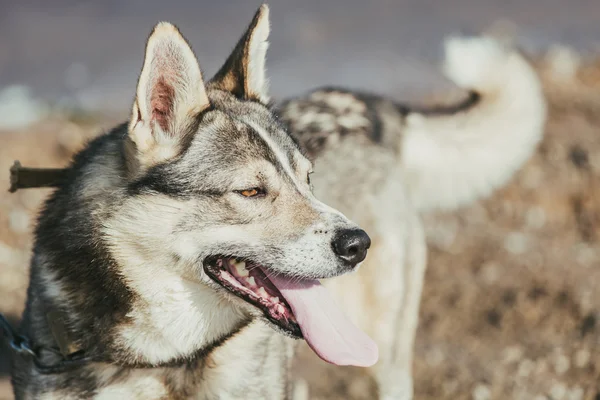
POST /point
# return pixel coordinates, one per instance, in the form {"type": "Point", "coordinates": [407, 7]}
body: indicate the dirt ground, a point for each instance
{"type": "Point", "coordinates": [510, 306]}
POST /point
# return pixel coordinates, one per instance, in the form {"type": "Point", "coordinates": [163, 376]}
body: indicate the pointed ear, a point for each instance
{"type": "Point", "coordinates": [170, 95]}
{"type": "Point", "coordinates": [244, 72]}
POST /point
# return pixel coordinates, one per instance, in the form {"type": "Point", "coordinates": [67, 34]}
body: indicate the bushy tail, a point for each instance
{"type": "Point", "coordinates": [455, 157]}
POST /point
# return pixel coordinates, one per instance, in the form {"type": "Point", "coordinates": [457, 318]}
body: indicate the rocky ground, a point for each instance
{"type": "Point", "coordinates": [510, 306]}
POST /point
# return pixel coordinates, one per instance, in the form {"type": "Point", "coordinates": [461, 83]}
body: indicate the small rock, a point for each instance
{"type": "Point", "coordinates": [541, 367]}
{"type": "Point", "coordinates": [535, 217]}
{"type": "Point", "coordinates": [443, 235]}
{"type": "Point", "coordinates": [586, 255]}
{"type": "Point", "coordinates": [512, 354]}
{"type": "Point", "coordinates": [575, 394]}
{"type": "Point", "coordinates": [434, 357]}
{"type": "Point", "coordinates": [582, 358]}
{"type": "Point", "coordinates": [525, 368]}
{"type": "Point", "coordinates": [481, 392]}
{"type": "Point", "coordinates": [18, 221]}
{"type": "Point", "coordinates": [450, 387]}
{"type": "Point", "coordinates": [561, 364]}
{"type": "Point", "coordinates": [490, 272]}
{"type": "Point", "coordinates": [558, 391]}
{"type": "Point", "coordinates": [516, 243]}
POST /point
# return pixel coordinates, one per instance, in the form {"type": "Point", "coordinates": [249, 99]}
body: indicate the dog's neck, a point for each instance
{"type": "Point", "coordinates": [169, 318]}
{"type": "Point", "coordinates": [169, 346]}
{"type": "Point", "coordinates": [173, 317]}
{"type": "Point", "coordinates": [173, 313]}
{"type": "Point", "coordinates": [250, 360]}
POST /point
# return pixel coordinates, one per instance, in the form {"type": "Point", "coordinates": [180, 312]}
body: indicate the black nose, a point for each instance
{"type": "Point", "coordinates": [351, 245]}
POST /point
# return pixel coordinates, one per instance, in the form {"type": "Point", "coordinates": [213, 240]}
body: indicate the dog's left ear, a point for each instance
{"type": "Point", "coordinates": [244, 71]}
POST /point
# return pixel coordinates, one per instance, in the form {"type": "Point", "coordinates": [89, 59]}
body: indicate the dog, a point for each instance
{"type": "Point", "coordinates": [385, 164]}
{"type": "Point", "coordinates": [182, 251]}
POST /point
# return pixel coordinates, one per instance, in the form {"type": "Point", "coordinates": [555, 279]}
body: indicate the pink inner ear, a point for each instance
{"type": "Point", "coordinates": [161, 103]}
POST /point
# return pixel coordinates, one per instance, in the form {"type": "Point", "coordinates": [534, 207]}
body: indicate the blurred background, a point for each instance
{"type": "Point", "coordinates": [511, 301]}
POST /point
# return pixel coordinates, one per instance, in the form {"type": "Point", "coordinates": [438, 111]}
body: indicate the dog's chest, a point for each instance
{"type": "Point", "coordinates": [253, 364]}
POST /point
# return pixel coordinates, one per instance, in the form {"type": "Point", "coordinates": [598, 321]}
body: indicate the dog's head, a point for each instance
{"type": "Point", "coordinates": [226, 191]}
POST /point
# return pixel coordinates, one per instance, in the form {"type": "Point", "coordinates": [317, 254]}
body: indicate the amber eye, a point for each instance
{"type": "Point", "coordinates": [254, 192]}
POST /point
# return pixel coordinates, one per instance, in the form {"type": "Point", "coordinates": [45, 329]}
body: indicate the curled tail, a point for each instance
{"type": "Point", "coordinates": [456, 156]}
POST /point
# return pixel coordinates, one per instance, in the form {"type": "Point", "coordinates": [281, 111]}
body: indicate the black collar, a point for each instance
{"type": "Point", "coordinates": [71, 357]}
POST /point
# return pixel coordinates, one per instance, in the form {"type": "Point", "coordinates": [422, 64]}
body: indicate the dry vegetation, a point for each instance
{"type": "Point", "coordinates": [510, 307]}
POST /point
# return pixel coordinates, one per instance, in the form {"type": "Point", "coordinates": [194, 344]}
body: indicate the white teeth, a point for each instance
{"type": "Point", "coordinates": [240, 268]}
{"type": "Point", "coordinates": [262, 293]}
{"type": "Point", "coordinates": [275, 299]}
{"type": "Point", "coordinates": [280, 309]}
{"type": "Point", "coordinates": [251, 281]}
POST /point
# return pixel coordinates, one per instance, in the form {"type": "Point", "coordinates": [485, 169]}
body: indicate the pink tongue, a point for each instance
{"type": "Point", "coordinates": [325, 327]}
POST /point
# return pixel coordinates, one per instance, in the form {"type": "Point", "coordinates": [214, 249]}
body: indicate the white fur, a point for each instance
{"type": "Point", "coordinates": [281, 156]}
{"type": "Point", "coordinates": [144, 386]}
{"type": "Point", "coordinates": [57, 395]}
{"type": "Point", "coordinates": [227, 374]}
{"type": "Point", "coordinates": [257, 83]}
{"type": "Point", "coordinates": [176, 315]}
{"type": "Point", "coordinates": [451, 160]}
{"type": "Point", "coordinates": [229, 370]}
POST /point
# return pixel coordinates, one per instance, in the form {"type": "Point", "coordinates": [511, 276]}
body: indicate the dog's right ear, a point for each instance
{"type": "Point", "coordinates": [170, 96]}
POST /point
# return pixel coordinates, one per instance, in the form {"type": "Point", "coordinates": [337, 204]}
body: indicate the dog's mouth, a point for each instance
{"type": "Point", "coordinates": [301, 307]}
{"type": "Point", "coordinates": [249, 281]}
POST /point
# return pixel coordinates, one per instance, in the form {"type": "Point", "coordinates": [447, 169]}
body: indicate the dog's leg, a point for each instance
{"type": "Point", "coordinates": [383, 296]}
{"type": "Point", "coordinates": [396, 338]}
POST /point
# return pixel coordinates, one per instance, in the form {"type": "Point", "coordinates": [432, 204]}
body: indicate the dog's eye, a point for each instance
{"type": "Point", "coordinates": [254, 192]}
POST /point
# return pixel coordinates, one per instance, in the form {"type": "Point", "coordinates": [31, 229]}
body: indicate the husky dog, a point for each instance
{"type": "Point", "coordinates": [176, 242]}
{"type": "Point", "coordinates": [383, 165]}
